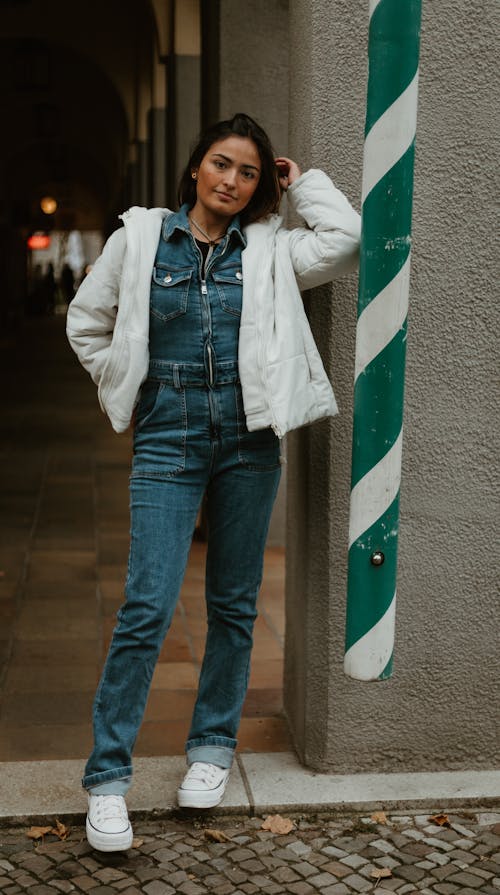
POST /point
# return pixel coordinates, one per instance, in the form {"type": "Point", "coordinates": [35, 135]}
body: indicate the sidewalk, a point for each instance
{"type": "Point", "coordinates": [341, 854]}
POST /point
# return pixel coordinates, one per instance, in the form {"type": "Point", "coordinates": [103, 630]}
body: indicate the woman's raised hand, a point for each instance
{"type": "Point", "coordinates": [288, 171]}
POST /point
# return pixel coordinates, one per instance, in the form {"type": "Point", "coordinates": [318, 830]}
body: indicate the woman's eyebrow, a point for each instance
{"type": "Point", "coordinates": [230, 160]}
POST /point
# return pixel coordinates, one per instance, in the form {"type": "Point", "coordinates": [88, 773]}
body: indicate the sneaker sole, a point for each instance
{"type": "Point", "coordinates": [109, 841]}
{"type": "Point", "coordinates": [187, 798]}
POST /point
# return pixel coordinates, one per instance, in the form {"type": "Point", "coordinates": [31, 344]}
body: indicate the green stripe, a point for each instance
{"type": "Point", "coordinates": [387, 672]}
{"type": "Point", "coordinates": [371, 588]}
{"type": "Point", "coordinates": [378, 406]}
{"type": "Point", "coordinates": [393, 54]}
{"type": "Point", "coordinates": [386, 229]}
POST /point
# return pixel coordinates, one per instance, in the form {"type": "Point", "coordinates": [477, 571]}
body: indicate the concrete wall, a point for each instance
{"type": "Point", "coordinates": [253, 66]}
{"type": "Point", "coordinates": [439, 709]}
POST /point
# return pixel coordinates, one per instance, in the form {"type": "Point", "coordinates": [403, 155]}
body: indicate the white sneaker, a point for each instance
{"type": "Point", "coordinates": [108, 826]}
{"type": "Point", "coordinates": [203, 786]}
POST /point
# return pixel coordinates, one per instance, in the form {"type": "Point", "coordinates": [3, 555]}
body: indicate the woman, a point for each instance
{"type": "Point", "coordinates": [191, 323]}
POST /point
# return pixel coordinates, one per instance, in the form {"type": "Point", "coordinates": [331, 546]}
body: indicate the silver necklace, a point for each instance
{"type": "Point", "coordinates": [211, 242]}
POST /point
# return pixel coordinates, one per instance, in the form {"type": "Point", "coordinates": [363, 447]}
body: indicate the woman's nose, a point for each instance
{"type": "Point", "coordinates": [230, 176]}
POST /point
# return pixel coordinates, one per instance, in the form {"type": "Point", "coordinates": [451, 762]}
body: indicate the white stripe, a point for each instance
{"type": "Point", "coordinates": [367, 658]}
{"type": "Point", "coordinates": [375, 492]}
{"type": "Point", "coordinates": [390, 137]}
{"type": "Point", "coordinates": [373, 6]}
{"type": "Point", "coordinates": [379, 322]}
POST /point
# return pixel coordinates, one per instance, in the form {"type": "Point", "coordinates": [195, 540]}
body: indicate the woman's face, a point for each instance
{"type": "Point", "coordinates": [227, 177]}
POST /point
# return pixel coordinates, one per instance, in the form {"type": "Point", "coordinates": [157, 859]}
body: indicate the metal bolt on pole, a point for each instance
{"type": "Point", "coordinates": [387, 191]}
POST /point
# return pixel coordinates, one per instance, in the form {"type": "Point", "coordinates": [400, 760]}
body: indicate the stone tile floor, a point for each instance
{"type": "Point", "coordinates": [327, 854]}
{"type": "Point", "coordinates": [63, 551]}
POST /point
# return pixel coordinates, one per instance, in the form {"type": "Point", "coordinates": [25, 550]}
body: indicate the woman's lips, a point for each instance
{"type": "Point", "coordinates": [225, 196]}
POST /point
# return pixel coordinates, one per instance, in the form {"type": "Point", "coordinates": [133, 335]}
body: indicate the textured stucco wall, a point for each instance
{"type": "Point", "coordinates": [254, 79]}
{"type": "Point", "coordinates": [440, 709]}
{"type": "Point", "coordinates": [254, 64]}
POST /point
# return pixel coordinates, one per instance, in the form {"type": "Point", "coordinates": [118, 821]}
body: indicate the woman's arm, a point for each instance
{"type": "Point", "coordinates": [330, 247]}
{"type": "Point", "coordinates": [92, 313]}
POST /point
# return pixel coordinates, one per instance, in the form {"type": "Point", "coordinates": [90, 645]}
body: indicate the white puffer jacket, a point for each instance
{"type": "Point", "coordinates": [283, 381]}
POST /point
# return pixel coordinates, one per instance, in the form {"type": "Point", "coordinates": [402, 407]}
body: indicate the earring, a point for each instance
{"type": "Point", "coordinates": [193, 175]}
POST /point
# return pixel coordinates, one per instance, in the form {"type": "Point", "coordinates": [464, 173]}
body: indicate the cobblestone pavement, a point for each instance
{"type": "Point", "coordinates": [326, 854]}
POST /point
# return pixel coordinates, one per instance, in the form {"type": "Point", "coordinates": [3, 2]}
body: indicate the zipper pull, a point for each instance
{"type": "Point", "coordinates": [204, 290]}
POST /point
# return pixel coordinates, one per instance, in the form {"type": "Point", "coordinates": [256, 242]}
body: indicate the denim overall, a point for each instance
{"type": "Point", "coordinates": [190, 438]}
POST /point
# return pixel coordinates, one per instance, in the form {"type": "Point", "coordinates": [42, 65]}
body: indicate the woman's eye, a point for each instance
{"type": "Point", "coordinates": [248, 175]}
{"type": "Point", "coordinates": [220, 165]}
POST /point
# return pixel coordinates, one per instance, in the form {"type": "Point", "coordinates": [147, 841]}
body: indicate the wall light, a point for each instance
{"type": "Point", "coordinates": [48, 205]}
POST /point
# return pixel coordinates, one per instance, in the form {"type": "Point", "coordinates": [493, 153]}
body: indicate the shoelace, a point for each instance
{"type": "Point", "coordinates": [202, 771]}
{"type": "Point", "coordinates": [108, 807]}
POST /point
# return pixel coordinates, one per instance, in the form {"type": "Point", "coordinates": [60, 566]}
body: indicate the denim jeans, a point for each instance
{"type": "Point", "coordinates": [189, 439]}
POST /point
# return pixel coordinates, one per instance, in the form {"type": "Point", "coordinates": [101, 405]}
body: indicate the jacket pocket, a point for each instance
{"type": "Point", "coordinates": [169, 291]}
{"type": "Point", "coordinates": [229, 283]}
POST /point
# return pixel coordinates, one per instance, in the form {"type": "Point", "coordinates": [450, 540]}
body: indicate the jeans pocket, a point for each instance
{"type": "Point", "coordinates": [160, 442]}
{"type": "Point", "coordinates": [150, 394]}
{"type": "Point", "coordinates": [258, 451]}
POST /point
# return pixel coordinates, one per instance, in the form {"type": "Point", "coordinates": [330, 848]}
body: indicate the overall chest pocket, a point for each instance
{"type": "Point", "coordinates": [229, 282]}
{"type": "Point", "coordinates": [169, 291]}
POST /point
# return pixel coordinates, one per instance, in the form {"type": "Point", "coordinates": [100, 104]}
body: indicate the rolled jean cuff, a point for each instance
{"type": "Point", "coordinates": [124, 775]}
{"type": "Point", "coordinates": [113, 788]}
{"type": "Point", "coordinates": [222, 756]}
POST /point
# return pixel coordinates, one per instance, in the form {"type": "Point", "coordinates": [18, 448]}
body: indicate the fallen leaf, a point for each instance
{"type": "Point", "coordinates": [38, 832]}
{"type": "Point", "coordinates": [136, 843]}
{"type": "Point", "coordinates": [381, 873]}
{"type": "Point", "coordinates": [440, 819]}
{"type": "Point", "coordinates": [379, 817]}
{"type": "Point", "coordinates": [277, 824]}
{"type": "Point", "coordinates": [60, 830]}
{"type": "Point", "coordinates": [216, 836]}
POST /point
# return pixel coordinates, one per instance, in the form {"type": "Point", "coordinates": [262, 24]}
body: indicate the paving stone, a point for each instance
{"type": "Point", "coordinates": [107, 874]}
{"type": "Point", "coordinates": [354, 861]}
{"type": "Point", "coordinates": [301, 888]}
{"type": "Point", "coordinates": [337, 889]}
{"type": "Point", "coordinates": [463, 878]}
{"type": "Point", "coordinates": [441, 873]}
{"type": "Point", "coordinates": [383, 846]}
{"type": "Point", "coordinates": [41, 890]}
{"type": "Point", "coordinates": [339, 870]}
{"type": "Point", "coordinates": [356, 882]}
{"type": "Point", "coordinates": [157, 887]}
{"type": "Point", "coordinates": [333, 851]}
{"type": "Point", "coordinates": [438, 858]}
{"type": "Point", "coordinates": [84, 883]}
{"type": "Point", "coordinates": [412, 873]}
{"type": "Point", "coordinates": [285, 875]}
{"type": "Point", "coordinates": [252, 866]}
{"type": "Point", "coordinates": [458, 855]}
{"type": "Point", "coordinates": [63, 885]}
{"type": "Point", "coordinates": [300, 848]}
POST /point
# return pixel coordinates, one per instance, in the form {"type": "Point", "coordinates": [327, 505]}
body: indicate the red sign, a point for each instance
{"type": "Point", "coordinates": [39, 240]}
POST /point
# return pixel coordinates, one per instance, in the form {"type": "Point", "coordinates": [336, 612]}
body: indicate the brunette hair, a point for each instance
{"type": "Point", "coordinates": [266, 198]}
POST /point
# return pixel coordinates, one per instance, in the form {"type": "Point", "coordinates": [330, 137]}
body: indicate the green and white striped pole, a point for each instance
{"type": "Point", "coordinates": [391, 117]}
